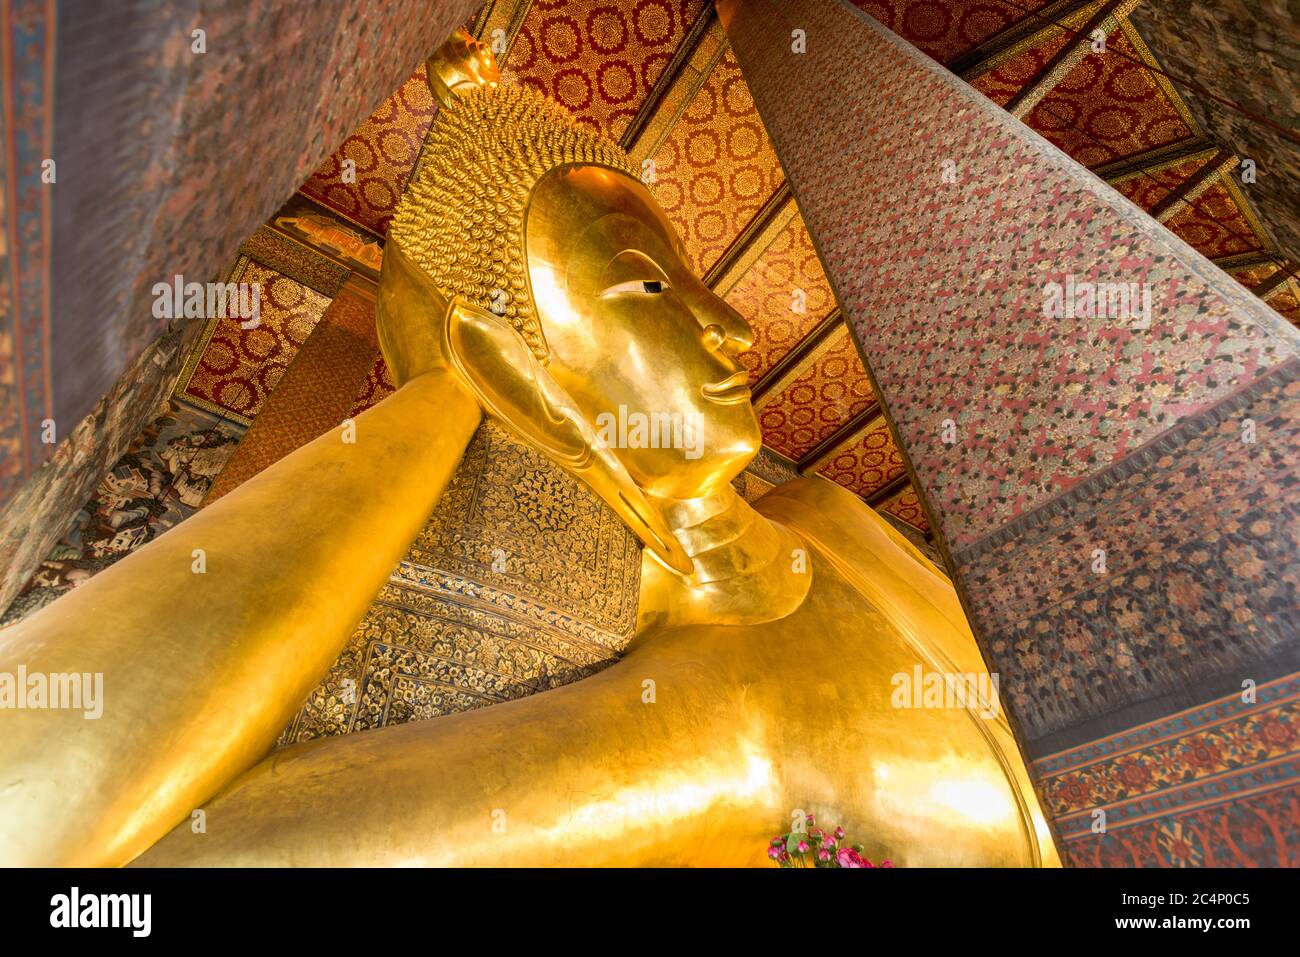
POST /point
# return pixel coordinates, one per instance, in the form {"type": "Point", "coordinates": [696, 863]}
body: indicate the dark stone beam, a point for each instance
{"type": "Point", "coordinates": [170, 147]}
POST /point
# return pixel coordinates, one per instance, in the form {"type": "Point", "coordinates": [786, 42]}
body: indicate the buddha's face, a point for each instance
{"type": "Point", "coordinates": [644, 348]}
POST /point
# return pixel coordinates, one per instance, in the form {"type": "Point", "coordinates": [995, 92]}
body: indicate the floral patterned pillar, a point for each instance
{"type": "Point", "coordinates": [174, 128]}
{"type": "Point", "coordinates": [1103, 424]}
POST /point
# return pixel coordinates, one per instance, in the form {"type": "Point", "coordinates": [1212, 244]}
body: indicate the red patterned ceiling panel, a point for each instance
{"type": "Point", "coordinates": [1010, 76]}
{"type": "Point", "coordinates": [1216, 225]}
{"type": "Point", "coordinates": [947, 30]}
{"type": "Point", "coordinates": [1253, 275]}
{"type": "Point", "coordinates": [907, 506]}
{"type": "Point", "coordinates": [717, 168]}
{"type": "Point", "coordinates": [868, 464]}
{"type": "Point", "coordinates": [238, 367]}
{"type": "Point", "coordinates": [1148, 188]}
{"type": "Point", "coordinates": [784, 295]}
{"type": "Point", "coordinates": [829, 393]}
{"type": "Point", "coordinates": [1288, 305]}
{"type": "Point", "coordinates": [384, 150]}
{"type": "Point", "coordinates": [1109, 108]}
{"type": "Point", "coordinates": [599, 58]}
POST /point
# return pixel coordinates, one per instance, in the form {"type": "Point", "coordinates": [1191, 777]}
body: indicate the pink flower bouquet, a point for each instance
{"type": "Point", "coordinates": [813, 846]}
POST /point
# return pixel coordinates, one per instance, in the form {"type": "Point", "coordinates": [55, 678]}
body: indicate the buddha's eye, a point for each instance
{"type": "Point", "coordinates": [651, 286]}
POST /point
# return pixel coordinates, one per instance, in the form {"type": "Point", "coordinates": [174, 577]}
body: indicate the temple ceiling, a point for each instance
{"type": "Point", "coordinates": [657, 76]}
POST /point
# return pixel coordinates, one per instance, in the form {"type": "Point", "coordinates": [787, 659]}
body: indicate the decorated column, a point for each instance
{"type": "Point", "coordinates": [140, 141]}
{"type": "Point", "coordinates": [1103, 424]}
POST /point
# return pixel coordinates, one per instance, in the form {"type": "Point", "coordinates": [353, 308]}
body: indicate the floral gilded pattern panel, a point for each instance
{"type": "Point", "coordinates": [365, 177]}
{"type": "Point", "coordinates": [159, 482]}
{"type": "Point", "coordinates": [717, 168]}
{"type": "Point", "coordinates": [599, 59]}
{"type": "Point", "coordinates": [234, 369]}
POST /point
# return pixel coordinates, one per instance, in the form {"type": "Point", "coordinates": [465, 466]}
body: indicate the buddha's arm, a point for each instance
{"type": "Point", "coordinates": [209, 638]}
{"type": "Point", "coordinates": [585, 775]}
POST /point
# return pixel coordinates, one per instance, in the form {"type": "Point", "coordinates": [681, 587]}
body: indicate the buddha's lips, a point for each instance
{"type": "Point", "coordinates": [734, 388]}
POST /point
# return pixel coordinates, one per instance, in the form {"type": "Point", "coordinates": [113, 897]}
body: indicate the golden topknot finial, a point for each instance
{"type": "Point", "coordinates": [461, 216]}
{"type": "Point", "coordinates": [461, 66]}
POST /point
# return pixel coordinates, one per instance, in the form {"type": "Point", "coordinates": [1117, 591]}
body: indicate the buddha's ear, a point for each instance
{"type": "Point", "coordinates": [495, 363]}
{"type": "Point", "coordinates": [406, 310]}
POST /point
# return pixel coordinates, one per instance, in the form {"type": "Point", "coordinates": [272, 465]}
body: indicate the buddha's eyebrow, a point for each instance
{"type": "Point", "coordinates": [653, 240]}
{"type": "Point", "coordinates": [638, 253]}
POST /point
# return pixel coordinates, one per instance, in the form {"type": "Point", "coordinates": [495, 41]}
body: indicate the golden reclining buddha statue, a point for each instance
{"type": "Point", "coordinates": [531, 277]}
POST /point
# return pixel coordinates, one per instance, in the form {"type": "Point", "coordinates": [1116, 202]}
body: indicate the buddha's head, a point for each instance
{"type": "Point", "coordinates": [528, 257]}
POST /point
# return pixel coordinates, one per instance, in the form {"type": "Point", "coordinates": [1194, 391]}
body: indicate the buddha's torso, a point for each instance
{"type": "Point", "coordinates": [808, 698]}
{"type": "Point", "coordinates": [694, 749]}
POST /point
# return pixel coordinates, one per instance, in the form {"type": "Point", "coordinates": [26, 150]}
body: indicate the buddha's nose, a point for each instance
{"type": "Point", "coordinates": [725, 330]}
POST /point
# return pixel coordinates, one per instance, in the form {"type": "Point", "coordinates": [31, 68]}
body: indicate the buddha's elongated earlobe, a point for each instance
{"type": "Point", "coordinates": [495, 363]}
{"type": "Point", "coordinates": [407, 305]}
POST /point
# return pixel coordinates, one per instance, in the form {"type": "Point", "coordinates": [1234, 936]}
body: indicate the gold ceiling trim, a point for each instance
{"type": "Point", "coordinates": [683, 55]}
{"type": "Point", "coordinates": [1201, 152]}
{"type": "Point", "coordinates": [796, 360]}
{"type": "Point", "coordinates": [1161, 79]}
{"type": "Point", "coordinates": [1185, 194]}
{"type": "Point", "coordinates": [761, 224]}
{"type": "Point", "coordinates": [843, 437]}
{"type": "Point", "coordinates": [1109, 18]}
{"type": "Point", "coordinates": [337, 214]}
{"type": "Point", "coordinates": [1020, 37]}
{"type": "Point", "coordinates": [1280, 280]}
{"type": "Point", "coordinates": [481, 19]}
{"type": "Point", "coordinates": [710, 47]}
{"type": "Point", "coordinates": [1245, 261]}
{"type": "Point", "coordinates": [739, 267]}
{"type": "Point", "coordinates": [196, 356]}
{"type": "Point", "coordinates": [505, 15]}
{"type": "Point", "coordinates": [301, 203]}
{"type": "Point", "coordinates": [351, 266]}
{"type": "Point", "coordinates": [1029, 43]}
{"type": "Point", "coordinates": [1266, 241]}
{"type": "Point", "coordinates": [887, 491]}
{"type": "Point", "coordinates": [800, 359]}
{"type": "Point", "coordinates": [296, 259]}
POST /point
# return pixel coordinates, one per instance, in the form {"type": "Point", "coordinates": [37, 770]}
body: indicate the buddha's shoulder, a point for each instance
{"type": "Point", "coordinates": [878, 562]}
{"type": "Point", "coordinates": [838, 520]}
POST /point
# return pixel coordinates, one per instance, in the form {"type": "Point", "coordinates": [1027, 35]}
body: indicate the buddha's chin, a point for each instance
{"type": "Point", "coordinates": [707, 459]}
{"type": "Point", "coordinates": [701, 477]}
